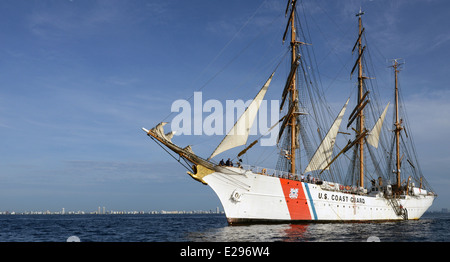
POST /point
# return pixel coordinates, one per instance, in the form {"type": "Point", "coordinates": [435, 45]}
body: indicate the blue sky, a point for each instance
{"type": "Point", "coordinates": [79, 78]}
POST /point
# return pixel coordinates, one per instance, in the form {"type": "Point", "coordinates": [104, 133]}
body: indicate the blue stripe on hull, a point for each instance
{"type": "Point", "coordinates": [311, 201]}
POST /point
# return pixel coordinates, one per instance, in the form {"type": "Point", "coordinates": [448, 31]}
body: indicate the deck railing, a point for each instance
{"type": "Point", "coordinates": [277, 173]}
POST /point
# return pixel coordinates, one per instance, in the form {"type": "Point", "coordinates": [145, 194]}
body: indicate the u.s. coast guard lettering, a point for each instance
{"type": "Point", "coordinates": [341, 198]}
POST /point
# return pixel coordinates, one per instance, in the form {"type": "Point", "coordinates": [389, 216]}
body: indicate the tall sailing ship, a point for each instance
{"type": "Point", "coordinates": [383, 180]}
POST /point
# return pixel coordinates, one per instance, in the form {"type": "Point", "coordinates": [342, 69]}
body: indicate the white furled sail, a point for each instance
{"type": "Point", "coordinates": [323, 155]}
{"type": "Point", "coordinates": [159, 129]}
{"type": "Point", "coordinates": [238, 135]}
{"type": "Point", "coordinates": [374, 137]}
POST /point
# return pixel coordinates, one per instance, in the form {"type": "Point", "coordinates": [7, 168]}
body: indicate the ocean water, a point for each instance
{"type": "Point", "coordinates": [211, 228]}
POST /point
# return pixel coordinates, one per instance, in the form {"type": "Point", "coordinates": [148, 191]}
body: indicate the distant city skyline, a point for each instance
{"type": "Point", "coordinates": [135, 212]}
{"type": "Point", "coordinates": [104, 211]}
{"type": "Point", "coordinates": [79, 79]}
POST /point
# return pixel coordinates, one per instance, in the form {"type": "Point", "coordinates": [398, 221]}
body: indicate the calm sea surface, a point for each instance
{"type": "Point", "coordinates": [210, 228]}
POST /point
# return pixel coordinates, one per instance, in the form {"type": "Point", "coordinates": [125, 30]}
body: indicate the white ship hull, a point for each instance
{"type": "Point", "coordinates": [251, 197]}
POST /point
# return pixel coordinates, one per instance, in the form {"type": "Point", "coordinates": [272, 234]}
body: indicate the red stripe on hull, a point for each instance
{"type": "Point", "coordinates": [295, 199]}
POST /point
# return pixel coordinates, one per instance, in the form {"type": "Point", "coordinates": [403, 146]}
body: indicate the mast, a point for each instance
{"type": "Point", "coordinates": [291, 86]}
{"type": "Point", "coordinates": [360, 124]}
{"type": "Point", "coordinates": [397, 124]}
{"type": "Point", "coordinates": [293, 98]}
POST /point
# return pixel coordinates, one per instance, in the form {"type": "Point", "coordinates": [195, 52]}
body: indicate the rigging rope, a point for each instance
{"type": "Point", "coordinates": [233, 59]}
{"type": "Point", "coordinates": [168, 152]}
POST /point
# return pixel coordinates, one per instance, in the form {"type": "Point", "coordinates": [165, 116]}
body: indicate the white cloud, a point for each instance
{"type": "Point", "coordinates": [441, 40]}
{"type": "Point", "coordinates": [78, 19]}
{"type": "Point", "coordinates": [429, 115]}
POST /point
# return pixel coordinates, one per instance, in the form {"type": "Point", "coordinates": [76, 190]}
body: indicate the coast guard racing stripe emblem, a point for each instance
{"type": "Point", "coordinates": [295, 199]}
